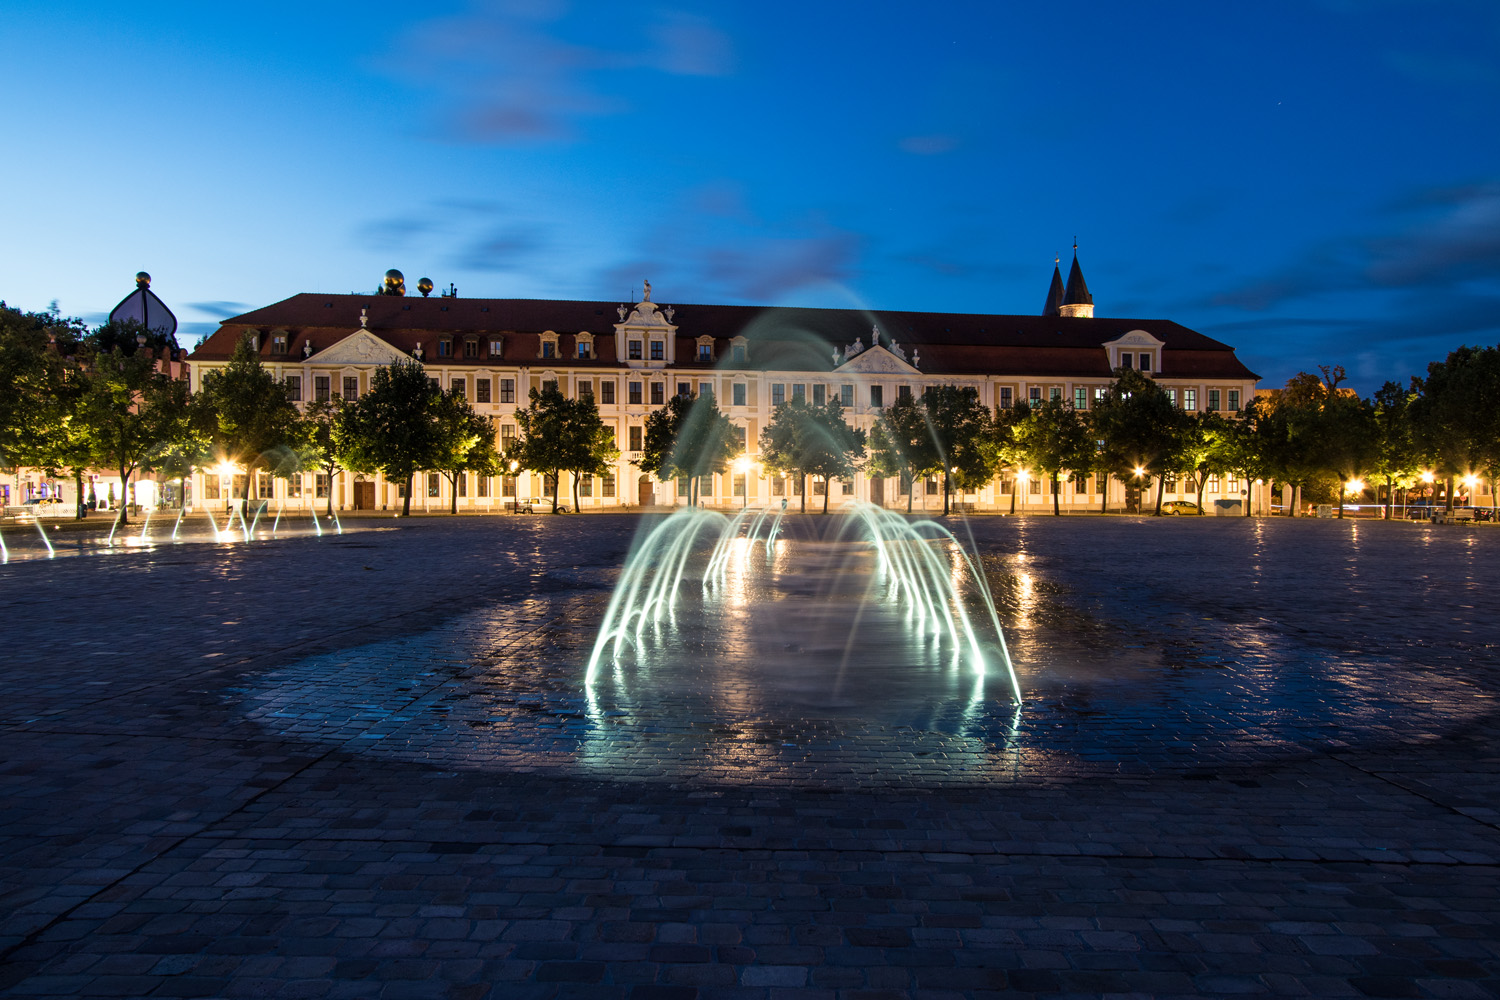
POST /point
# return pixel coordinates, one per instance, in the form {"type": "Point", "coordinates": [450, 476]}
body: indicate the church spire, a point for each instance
{"type": "Point", "coordinates": [1055, 293]}
{"type": "Point", "coordinates": [1076, 298]}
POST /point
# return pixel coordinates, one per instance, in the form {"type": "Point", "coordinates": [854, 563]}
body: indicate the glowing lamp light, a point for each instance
{"type": "Point", "coordinates": [1471, 481]}
{"type": "Point", "coordinates": [1140, 470]}
{"type": "Point", "coordinates": [1355, 486]}
{"type": "Point", "coordinates": [1427, 477]}
{"type": "Point", "coordinates": [1023, 475]}
{"type": "Point", "coordinates": [742, 464]}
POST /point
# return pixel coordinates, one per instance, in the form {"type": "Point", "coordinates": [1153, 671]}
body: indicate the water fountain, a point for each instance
{"type": "Point", "coordinates": [813, 617]}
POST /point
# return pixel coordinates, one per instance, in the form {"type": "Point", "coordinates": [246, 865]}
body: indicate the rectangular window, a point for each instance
{"type": "Point", "coordinates": [1213, 483]}
{"type": "Point", "coordinates": [586, 389]}
{"type": "Point", "coordinates": [459, 387]}
{"type": "Point", "coordinates": [737, 394]}
{"type": "Point", "coordinates": [1035, 395]}
{"type": "Point", "coordinates": [549, 384]}
{"type": "Point", "coordinates": [1234, 399]}
{"type": "Point", "coordinates": [932, 486]}
{"type": "Point", "coordinates": [484, 486]}
{"type": "Point", "coordinates": [685, 390]}
{"type": "Point", "coordinates": [1080, 398]}
{"type": "Point", "coordinates": [1098, 394]}
{"type": "Point", "coordinates": [1213, 400]}
{"type": "Point", "coordinates": [320, 387]}
{"type": "Point", "coordinates": [658, 350]}
{"type": "Point", "coordinates": [738, 353]}
{"type": "Point", "coordinates": [211, 487]}
{"type": "Point", "coordinates": [507, 390]}
{"type": "Point", "coordinates": [1034, 486]}
{"type": "Point", "coordinates": [497, 347]}
{"type": "Point", "coordinates": [1172, 395]}
{"type": "Point", "coordinates": [434, 484]}
{"type": "Point", "coordinates": [635, 438]}
{"type": "Point", "coordinates": [778, 487]}
{"type": "Point", "coordinates": [819, 487]}
{"type": "Point", "coordinates": [351, 387]}
{"type": "Point", "coordinates": [1232, 484]}
{"type": "Point", "coordinates": [263, 486]}
{"type": "Point", "coordinates": [445, 348]}
{"type": "Point", "coordinates": [706, 486]}
{"type": "Point", "coordinates": [585, 486]}
{"type": "Point", "coordinates": [585, 350]}
{"type": "Point", "coordinates": [877, 395]}
{"type": "Point", "coordinates": [463, 484]}
{"type": "Point", "coordinates": [1127, 360]}
{"type": "Point", "coordinates": [507, 486]}
{"type": "Point", "coordinates": [507, 437]}
{"type": "Point", "coordinates": [1081, 484]}
{"type": "Point", "coordinates": [1007, 397]}
{"type": "Point", "coordinates": [634, 350]}
{"type": "Point", "coordinates": [848, 490]}
{"type": "Point", "coordinates": [820, 395]}
{"type": "Point", "coordinates": [1169, 482]}
{"type": "Point", "coordinates": [293, 385]}
{"type": "Point", "coordinates": [320, 486]}
{"type": "Point", "coordinates": [278, 344]}
{"type": "Point", "coordinates": [682, 486]}
{"type": "Point", "coordinates": [607, 392]}
{"type": "Point", "coordinates": [1190, 399]}
{"type": "Point", "coordinates": [658, 393]}
{"type": "Point", "coordinates": [739, 484]}
{"type": "Point", "coordinates": [706, 390]}
{"type": "Point", "coordinates": [607, 485]}
{"type": "Point", "coordinates": [1055, 393]}
{"type": "Point", "coordinates": [549, 349]}
{"type": "Point", "coordinates": [634, 396]}
{"type": "Point", "coordinates": [471, 348]}
{"type": "Point", "coordinates": [1007, 486]}
{"type": "Point", "coordinates": [1099, 482]}
{"type": "Point", "coordinates": [778, 393]}
{"type": "Point", "coordinates": [903, 394]}
{"type": "Point", "coordinates": [799, 392]}
{"type": "Point", "coordinates": [846, 396]}
{"type": "Point", "coordinates": [482, 390]}
{"type": "Point", "coordinates": [705, 352]}
{"type": "Point", "coordinates": [1146, 363]}
{"type": "Point", "coordinates": [294, 486]}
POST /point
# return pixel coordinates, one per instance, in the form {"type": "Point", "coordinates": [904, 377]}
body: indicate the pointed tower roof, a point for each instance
{"type": "Point", "coordinates": [1055, 293]}
{"type": "Point", "coordinates": [1077, 293]}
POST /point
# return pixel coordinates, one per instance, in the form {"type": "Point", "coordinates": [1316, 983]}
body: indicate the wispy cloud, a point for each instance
{"type": "Point", "coordinates": [220, 308]}
{"type": "Point", "coordinates": [531, 71]}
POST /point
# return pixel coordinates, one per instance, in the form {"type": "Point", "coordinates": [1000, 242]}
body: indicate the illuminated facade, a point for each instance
{"type": "Point", "coordinates": [630, 358]}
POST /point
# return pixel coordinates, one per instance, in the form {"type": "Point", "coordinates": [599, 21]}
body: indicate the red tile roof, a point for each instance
{"type": "Point", "coordinates": [782, 339]}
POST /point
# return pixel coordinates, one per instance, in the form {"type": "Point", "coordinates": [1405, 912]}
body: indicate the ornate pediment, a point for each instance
{"type": "Point", "coordinates": [877, 361]}
{"type": "Point", "coordinates": [359, 348]}
{"type": "Point", "coordinates": [1135, 338]}
{"type": "Point", "coordinates": [650, 315]}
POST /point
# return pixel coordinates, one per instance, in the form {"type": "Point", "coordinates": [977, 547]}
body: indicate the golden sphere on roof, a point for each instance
{"type": "Point", "coordinates": [142, 279]}
{"type": "Point", "coordinates": [395, 282]}
{"type": "Point", "coordinates": [424, 285]}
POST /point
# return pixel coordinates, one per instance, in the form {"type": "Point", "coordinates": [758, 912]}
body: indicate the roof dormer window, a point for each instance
{"type": "Point", "coordinates": [548, 345]}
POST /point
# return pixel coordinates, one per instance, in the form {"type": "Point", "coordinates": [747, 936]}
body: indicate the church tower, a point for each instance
{"type": "Point", "coordinates": [1055, 293]}
{"type": "Point", "coordinates": [1076, 298]}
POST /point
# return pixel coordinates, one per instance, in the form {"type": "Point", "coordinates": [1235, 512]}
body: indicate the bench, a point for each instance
{"type": "Point", "coordinates": [962, 508]}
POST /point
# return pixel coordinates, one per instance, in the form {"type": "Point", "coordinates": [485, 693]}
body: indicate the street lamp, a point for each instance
{"type": "Point", "coordinates": [742, 466]}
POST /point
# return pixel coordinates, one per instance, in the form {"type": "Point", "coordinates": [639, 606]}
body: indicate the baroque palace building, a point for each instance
{"type": "Point", "coordinates": [630, 358]}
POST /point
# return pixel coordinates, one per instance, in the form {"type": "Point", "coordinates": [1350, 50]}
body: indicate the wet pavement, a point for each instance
{"type": "Point", "coordinates": [1254, 757]}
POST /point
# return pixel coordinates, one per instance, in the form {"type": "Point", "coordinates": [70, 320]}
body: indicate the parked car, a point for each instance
{"type": "Point", "coordinates": [1181, 507]}
{"type": "Point", "coordinates": [537, 503]}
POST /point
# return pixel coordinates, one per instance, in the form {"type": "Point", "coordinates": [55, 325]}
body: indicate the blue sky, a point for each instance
{"type": "Point", "coordinates": [1312, 182]}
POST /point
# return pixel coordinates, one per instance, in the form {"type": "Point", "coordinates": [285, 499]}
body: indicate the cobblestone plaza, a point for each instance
{"type": "Point", "coordinates": [1255, 757]}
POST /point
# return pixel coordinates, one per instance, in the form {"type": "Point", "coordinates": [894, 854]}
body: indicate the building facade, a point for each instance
{"type": "Point", "coordinates": [631, 357]}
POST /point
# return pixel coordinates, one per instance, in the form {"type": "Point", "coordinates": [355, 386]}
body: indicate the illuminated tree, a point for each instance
{"type": "Point", "coordinates": [465, 442]}
{"type": "Point", "coordinates": [902, 446]}
{"type": "Point", "coordinates": [809, 440]}
{"type": "Point", "coordinates": [248, 417]}
{"type": "Point", "coordinates": [393, 427]}
{"type": "Point", "coordinates": [689, 437]}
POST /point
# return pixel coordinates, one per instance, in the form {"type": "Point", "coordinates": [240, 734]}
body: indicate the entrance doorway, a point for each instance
{"type": "Point", "coordinates": [646, 492]}
{"type": "Point", "coordinates": [877, 490]}
{"type": "Point", "coordinates": [364, 495]}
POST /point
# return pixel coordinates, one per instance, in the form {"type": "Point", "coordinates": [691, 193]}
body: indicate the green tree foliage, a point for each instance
{"type": "Point", "coordinates": [321, 446]}
{"type": "Point", "coordinates": [1140, 428]}
{"type": "Point", "coordinates": [542, 444]}
{"type": "Point", "coordinates": [689, 437]}
{"type": "Point", "coordinates": [247, 416]}
{"type": "Point", "coordinates": [1198, 451]}
{"type": "Point", "coordinates": [134, 414]}
{"type": "Point", "coordinates": [1457, 416]}
{"type": "Point", "coordinates": [803, 439]}
{"type": "Point", "coordinates": [392, 428]}
{"type": "Point", "coordinates": [1237, 448]}
{"type": "Point", "coordinates": [959, 424]}
{"type": "Point", "coordinates": [591, 445]}
{"type": "Point", "coordinates": [42, 390]}
{"type": "Point", "coordinates": [1398, 460]}
{"type": "Point", "coordinates": [902, 446]}
{"type": "Point", "coordinates": [465, 442]}
{"type": "Point", "coordinates": [1052, 438]}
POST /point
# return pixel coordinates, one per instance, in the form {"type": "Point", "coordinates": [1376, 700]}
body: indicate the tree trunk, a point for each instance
{"type": "Point", "coordinates": [1056, 497]}
{"type": "Point", "coordinates": [1448, 489]}
{"type": "Point", "coordinates": [406, 501]}
{"type": "Point", "coordinates": [331, 488]}
{"type": "Point", "coordinates": [575, 492]}
{"type": "Point", "coordinates": [1202, 483]}
{"type": "Point", "coordinates": [124, 515]}
{"type": "Point", "coordinates": [827, 489]}
{"type": "Point", "coordinates": [453, 492]}
{"type": "Point", "coordinates": [1161, 488]}
{"type": "Point", "coordinates": [911, 491]}
{"type": "Point", "coordinates": [1390, 488]}
{"type": "Point", "coordinates": [78, 480]}
{"type": "Point", "coordinates": [945, 491]}
{"type": "Point", "coordinates": [803, 478]}
{"type": "Point", "coordinates": [557, 485]}
{"type": "Point", "coordinates": [1104, 493]}
{"type": "Point", "coordinates": [1014, 489]}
